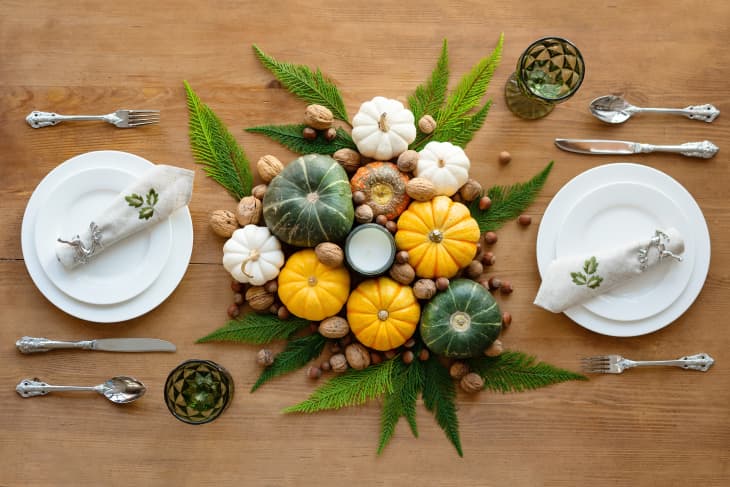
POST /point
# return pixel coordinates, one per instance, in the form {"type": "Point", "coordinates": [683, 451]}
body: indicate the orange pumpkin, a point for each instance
{"type": "Point", "coordinates": [440, 236]}
{"type": "Point", "coordinates": [382, 313]}
{"type": "Point", "coordinates": [310, 289]}
{"type": "Point", "coordinates": [384, 186]}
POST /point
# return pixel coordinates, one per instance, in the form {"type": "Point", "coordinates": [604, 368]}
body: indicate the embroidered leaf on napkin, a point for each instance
{"type": "Point", "coordinates": [578, 278]}
{"type": "Point", "coordinates": [298, 353]}
{"type": "Point", "coordinates": [290, 136]}
{"type": "Point", "coordinates": [439, 394]}
{"type": "Point", "coordinates": [517, 372]}
{"type": "Point", "coordinates": [310, 86]}
{"type": "Point", "coordinates": [407, 385]}
{"type": "Point", "coordinates": [256, 329]}
{"type": "Point", "coordinates": [152, 197]}
{"type": "Point", "coordinates": [216, 150]}
{"type": "Point", "coordinates": [508, 202]}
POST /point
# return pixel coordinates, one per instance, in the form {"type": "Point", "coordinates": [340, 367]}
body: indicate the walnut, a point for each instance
{"type": "Point", "coordinates": [265, 357]}
{"type": "Point", "coordinates": [471, 190]}
{"type": "Point", "coordinates": [259, 191]}
{"type": "Point", "coordinates": [403, 273]}
{"type": "Point", "coordinates": [269, 167]}
{"type": "Point", "coordinates": [472, 382]}
{"type": "Point", "coordinates": [330, 254]}
{"type": "Point", "coordinates": [338, 362]}
{"type": "Point", "coordinates": [420, 189]}
{"type": "Point", "coordinates": [424, 288]}
{"type": "Point", "coordinates": [259, 298]}
{"type": "Point", "coordinates": [357, 356]}
{"type": "Point", "coordinates": [348, 159]}
{"type": "Point", "coordinates": [249, 211]}
{"type": "Point", "coordinates": [318, 117]}
{"type": "Point", "coordinates": [408, 161]}
{"type": "Point", "coordinates": [334, 327]}
{"type": "Point", "coordinates": [427, 124]}
{"type": "Point", "coordinates": [223, 223]}
{"type": "Point", "coordinates": [458, 370]}
{"type": "Point", "coordinates": [364, 214]}
{"type": "Point", "coordinates": [495, 349]}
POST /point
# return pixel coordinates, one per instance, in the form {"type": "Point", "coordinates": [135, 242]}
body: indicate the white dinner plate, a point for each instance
{"type": "Point", "coordinates": [617, 213]}
{"type": "Point", "coordinates": [172, 272]}
{"type": "Point", "coordinates": [575, 189]}
{"type": "Point", "coordinates": [120, 272]}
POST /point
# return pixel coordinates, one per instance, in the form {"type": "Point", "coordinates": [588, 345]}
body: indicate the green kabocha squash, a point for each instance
{"type": "Point", "coordinates": [462, 321]}
{"type": "Point", "coordinates": [309, 202]}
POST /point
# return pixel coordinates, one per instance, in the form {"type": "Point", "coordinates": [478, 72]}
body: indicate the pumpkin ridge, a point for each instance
{"type": "Point", "coordinates": [319, 222]}
{"type": "Point", "coordinates": [305, 174]}
{"type": "Point", "coordinates": [482, 311]}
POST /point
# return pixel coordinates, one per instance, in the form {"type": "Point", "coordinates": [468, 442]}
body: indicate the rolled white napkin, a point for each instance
{"type": "Point", "coordinates": [575, 279]}
{"type": "Point", "coordinates": [146, 202]}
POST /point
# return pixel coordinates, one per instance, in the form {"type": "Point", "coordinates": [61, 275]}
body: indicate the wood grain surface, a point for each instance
{"type": "Point", "coordinates": [661, 427]}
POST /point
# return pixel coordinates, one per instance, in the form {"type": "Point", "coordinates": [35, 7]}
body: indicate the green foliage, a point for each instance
{"type": "Point", "coordinates": [439, 394]}
{"type": "Point", "coordinates": [517, 372]}
{"type": "Point", "coordinates": [290, 136]}
{"type": "Point", "coordinates": [298, 353]}
{"type": "Point", "coordinates": [407, 385]}
{"type": "Point", "coordinates": [256, 329]}
{"type": "Point", "coordinates": [216, 150]}
{"type": "Point", "coordinates": [508, 202]}
{"type": "Point", "coordinates": [349, 389]}
{"type": "Point", "coordinates": [456, 122]}
{"type": "Point", "coordinates": [310, 86]}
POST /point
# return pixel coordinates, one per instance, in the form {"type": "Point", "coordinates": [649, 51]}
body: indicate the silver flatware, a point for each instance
{"type": "Point", "coordinates": [616, 364]}
{"type": "Point", "coordinates": [120, 390]}
{"type": "Point", "coordinates": [704, 149]}
{"type": "Point", "coordinates": [121, 118]}
{"type": "Point", "coordinates": [614, 109]}
{"type": "Point", "coordinates": [32, 345]}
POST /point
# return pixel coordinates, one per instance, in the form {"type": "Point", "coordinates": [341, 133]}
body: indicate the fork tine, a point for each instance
{"type": "Point", "coordinates": [135, 112]}
{"type": "Point", "coordinates": [143, 119]}
{"type": "Point", "coordinates": [137, 124]}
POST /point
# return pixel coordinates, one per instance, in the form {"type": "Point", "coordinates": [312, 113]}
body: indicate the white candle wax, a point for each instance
{"type": "Point", "coordinates": [370, 249]}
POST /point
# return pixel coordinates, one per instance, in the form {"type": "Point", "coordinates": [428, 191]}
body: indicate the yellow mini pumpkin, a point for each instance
{"type": "Point", "coordinates": [440, 236]}
{"type": "Point", "coordinates": [382, 313]}
{"type": "Point", "coordinates": [310, 289]}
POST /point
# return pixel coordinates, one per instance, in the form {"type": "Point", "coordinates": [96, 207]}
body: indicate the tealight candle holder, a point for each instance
{"type": "Point", "coordinates": [198, 391]}
{"type": "Point", "coordinates": [370, 249]}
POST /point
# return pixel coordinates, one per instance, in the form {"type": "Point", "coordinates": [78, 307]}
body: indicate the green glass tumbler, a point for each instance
{"type": "Point", "coordinates": [198, 391]}
{"type": "Point", "coordinates": [548, 72]}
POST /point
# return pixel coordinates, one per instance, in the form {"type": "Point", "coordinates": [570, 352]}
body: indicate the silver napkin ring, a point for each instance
{"type": "Point", "coordinates": [82, 253]}
{"type": "Point", "coordinates": [658, 241]}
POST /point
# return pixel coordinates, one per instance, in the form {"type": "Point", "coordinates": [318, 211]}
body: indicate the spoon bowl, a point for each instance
{"type": "Point", "coordinates": [615, 109]}
{"type": "Point", "coordinates": [119, 390]}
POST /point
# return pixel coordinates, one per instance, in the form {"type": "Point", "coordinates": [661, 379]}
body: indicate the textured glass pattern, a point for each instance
{"type": "Point", "coordinates": [198, 391]}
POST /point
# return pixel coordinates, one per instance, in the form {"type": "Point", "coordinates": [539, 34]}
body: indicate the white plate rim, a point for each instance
{"type": "Point", "coordinates": [599, 175]}
{"type": "Point", "coordinates": [104, 292]}
{"type": "Point", "coordinates": [159, 291]}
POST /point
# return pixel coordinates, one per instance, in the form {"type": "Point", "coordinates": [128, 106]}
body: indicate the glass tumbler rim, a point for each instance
{"type": "Point", "coordinates": [530, 93]}
{"type": "Point", "coordinates": [225, 376]}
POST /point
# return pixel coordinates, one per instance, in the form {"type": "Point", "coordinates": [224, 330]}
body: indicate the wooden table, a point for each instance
{"type": "Point", "coordinates": [647, 427]}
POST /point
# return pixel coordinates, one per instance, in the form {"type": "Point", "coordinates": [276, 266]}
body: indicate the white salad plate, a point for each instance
{"type": "Point", "coordinates": [611, 215]}
{"type": "Point", "coordinates": [618, 202]}
{"type": "Point", "coordinates": [174, 246]}
{"type": "Point", "coordinates": [123, 270]}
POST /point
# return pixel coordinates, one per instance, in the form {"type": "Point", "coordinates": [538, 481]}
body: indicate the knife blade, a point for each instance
{"type": "Point", "coordinates": [32, 345]}
{"type": "Point", "coordinates": [704, 149]}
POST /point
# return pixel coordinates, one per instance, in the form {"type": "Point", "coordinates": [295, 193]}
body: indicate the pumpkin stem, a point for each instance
{"type": "Point", "coordinates": [253, 256]}
{"type": "Point", "coordinates": [383, 122]}
{"type": "Point", "coordinates": [435, 236]}
{"type": "Point", "coordinates": [383, 314]}
{"type": "Point", "coordinates": [460, 321]}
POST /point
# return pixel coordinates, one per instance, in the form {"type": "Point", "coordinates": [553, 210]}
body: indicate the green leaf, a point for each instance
{"type": "Point", "coordinates": [146, 213]}
{"type": "Point", "coordinates": [134, 200]}
{"type": "Point", "coordinates": [429, 97]}
{"type": "Point", "coordinates": [152, 197]}
{"type": "Point", "coordinates": [508, 202]}
{"type": "Point", "coordinates": [590, 266]}
{"type": "Point", "coordinates": [290, 136]}
{"type": "Point", "coordinates": [298, 353]}
{"type": "Point", "coordinates": [439, 394]}
{"type": "Point", "coordinates": [216, 150]}
{"type": "Point", "coordinates": [470, 126]}
{"type": "Point", "coordinates": [256, 329]}
{"type": "Point", "coordinates": [407, 384]}
{"type": "Point", "coordinates": [578, 278]}
{"type": "Point", "coordinates": [594, 282]}
{"type": "Point", "coordinates": [516, 372]}
{"type": "Point", "coordinates": [349, 389]}
{"type": "Point", "coordinates": [310, 86]}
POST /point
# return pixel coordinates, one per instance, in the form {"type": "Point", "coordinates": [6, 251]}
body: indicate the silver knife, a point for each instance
{"type": "Point", "coordinates": [33, 345]}
{"type": "Point", "coordinates": [704, 149]}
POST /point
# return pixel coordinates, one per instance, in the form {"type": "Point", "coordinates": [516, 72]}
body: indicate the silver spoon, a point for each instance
{"type": "Point", "coordinates": [119, 390]}
{"type": "Point", "coordinates": [614, 109]}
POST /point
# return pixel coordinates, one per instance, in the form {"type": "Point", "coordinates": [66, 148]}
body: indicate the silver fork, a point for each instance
{"type": "Point", "coordinates": [616, 364]}
{"type": "Point", "coordinates": [120, 118]}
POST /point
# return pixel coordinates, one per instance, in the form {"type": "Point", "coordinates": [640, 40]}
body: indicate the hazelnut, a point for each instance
{"type": "Point", "coordinates": [249, 211]}
{"type": "Point", "coordinates": [236, 286]}
{"type": "Point", "coordinates": [426, 124]}
{"type": "Point", "coordinates": [338, 362]}
{"type": "Point", "coordinates": [472, 382]}
{"type": "Point", "coordinates": [488, 258]}
{"type": "Point", "coordinates": [490, 238]}
{"type": "Point", "coordinates": [345, 340]}
{"type": "Point", "coordinates": [375, 358]}
{"type": "Point", "coordinates": [364, 214]}
{"type": "Point", "coordinates": [318, 117]}
{"type": "Point", "coordinates": [223, 223]}
{"type": "Point", "coordinates": [471, 190]}
{"type": "Point", "coordinates": [335, 348]}
{"type": "Point", "coordinates": [325, 366]}
{"type": "Point", "coordinates": [381, 220]}
{"type": "Point", "coordinates": [348, 159]}
{"type": "Point", "coordinates": [458, 370]}
{"type": "Point", "coordinates": [330, 254]}
{"type": "Point", "coordinates": [506, 287]}
{"type": "Point", "coordinates": [408, 356]}
{"type": "Point", "coordinates": [265, 357]}
{"type": "Point", "coordinates": [505, 157]}
{"type": "Point", "coordinates": [410, 343]}
{"type": "Point", "coordinates": [408, 161]}
{"type": "Point", "coordinates": [283, 313]}
{"type": "Point", "coordinates": [524, 220]}
{"type": "Point", "coordinates": [423, 354]}
{"type": "Point", "coordinates": [420, 189]}
{"type": "Point", "coordinates": [330, 134]}
{"type": "Point", "coordinates": [474, 269]}
{"type": "Point", "coordinates": [259, 298]}
{"type": "Point", "coordinates": [485, 202]}
{"type": "Point", "coordinates": [233, 311]}
{"type": "Point", "coordinates": [357, 356]}
{"type": "Point", "coordinates": [403, 273]}
{"type": "Point", "coordinates": [424, 289]}
{"type": "Point", "coordinates": [495, 349]}
{"type": "Point", "coordinates": [391, 226]}
{"type": "Point", "coordinates": [334, 327]}
{"type": "Point", "coordinates": [309, 133]}
{"type": "Point", "coordinates": [402, 257]}
{"type": "Point", "coordinates": [389, 354]}
{"type": "Point", "coordinates": [358, 197]}
{"type": "Point", "coordinates": [269, 167]}
{"type": "Point", "coordinates": [259, 191]}
{"type": "Point", "coordinates": [506, 319]}
{"type": "Point", "coordinates": [238, 299]}
{"type": "Point", "coordinates": [314, 372]}
{"type": "Point", "coordinates": [442, 283]}
{"type": "Point", "coordinates": [494, 283]}
{"type": "Point", "coordinates": [271, 286]}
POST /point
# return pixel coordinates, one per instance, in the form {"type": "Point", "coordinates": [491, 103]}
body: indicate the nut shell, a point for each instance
{"type": "Point", "coordinates": [408, 161]}
{"type": "Point", "coordinates": [495, 349]}
{"type": "Point", "coordinates": [420, 189]}
{"type": "Point", "coordinates": [427, 124]}
{"type": "Point", "coordinates": [472, 382]}
{"type": "Point", "coordinates": [334, 327]}
{"type": "Point", "coordinates": [259, 298]}
{"type": "Point", "coordinates": [424, 289]}
{"type": "Point", "coordinates": [330, 254]}
{"type": "Point", "coordinates": [265, 357]}
{"type": "Point", "coordinates": [249, 211]}
{"type": "Point", "coordinates": [458, 370]}
{"type": "Point", "coordinates": [269, 167]}
{"type": "Point", "coordinates": [357, 356]}
{"type": "Point", "coordinates": [259, 191]}
{"type": "Point", "coordinates": [348, 159]}
{"type": "Point", "coordinates": [471, 190]}
{"type": "Point", "coordinates": [318, 117]}
{"type": "Point", "coordinates": [403, 273]}
{"type": "Point", "coordinates": [223, 223]}
{"type": "Point", "coordinates": [338, 362]}
{"type": "Point", "coordinates": [364, 214]}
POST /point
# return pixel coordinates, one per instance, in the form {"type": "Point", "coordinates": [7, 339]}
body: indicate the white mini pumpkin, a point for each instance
{"type": "Point", "coordinates": [253, 255]}
{"type": "Point", "coordinates": [445, 165]}
{"type": "Point", "coordinates": [383, 128]}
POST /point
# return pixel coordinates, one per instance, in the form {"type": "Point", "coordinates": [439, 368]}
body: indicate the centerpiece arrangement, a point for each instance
{"type": "Point", "coordinates": [367, 253]}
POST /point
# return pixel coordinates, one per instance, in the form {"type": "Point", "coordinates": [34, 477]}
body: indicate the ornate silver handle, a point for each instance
{"type": "Point", "coordinates": [34, 387]}
{"type": "Point", "coordinates": [704, 149]}
{"type": "Point", "coordinates": [33, 345]}
{"type": "Point", "coordinates": [38, 119]}
{"type": "Point", "coordinates": [701, 362]}
{"type": "Point", "coordinates": [706, 113]}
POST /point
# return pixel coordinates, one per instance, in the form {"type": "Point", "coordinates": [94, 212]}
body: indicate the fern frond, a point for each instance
{"type": "Point", "coordinates": [429, 97]}
{"type": "Point", "coordinates": [508, 202]}
{"type": "Point", "coordinates": [310, 86]}
{"type": "Point", "coordinates": [516, 372]}
{"type": "Point", "coordinates": [349, 389]}
{"type": "Point", "coordinates": [439, 394]}
{"type": "Point", "coordinates": [256, 329]}
{"type": "Point", "coordinates": [216, 150]}
{"type": "Point", "coordinates": [407, 385]}
{"type": "Point", "coordinates": [298, 353]}
{"type": "Point", "coordinates": [290, 136]}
